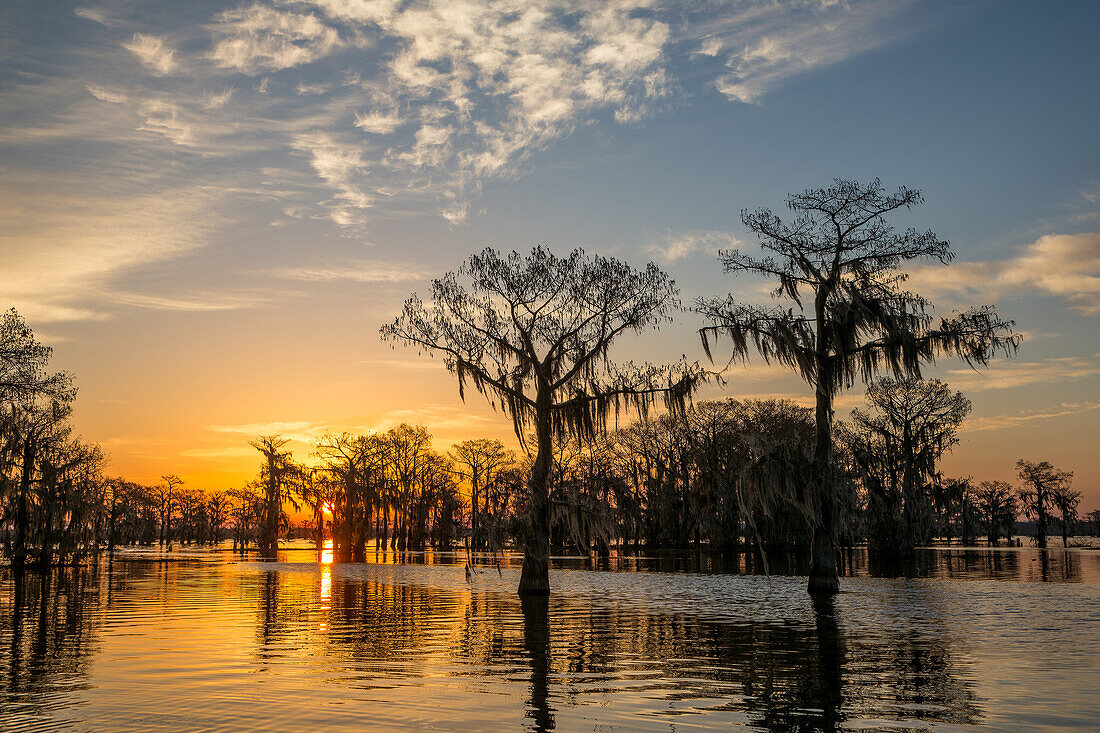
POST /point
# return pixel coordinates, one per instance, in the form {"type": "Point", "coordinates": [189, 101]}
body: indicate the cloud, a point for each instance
{"type": "Point", "coordinates": [106, 95]}
{"type": "Point", "coordinates": [469, 91]}
{"type": "Point", "coordinates": [709, 47]}
{"type": "Point", "coordinates": [213, 100]}
{"type": "Point", "coordinates": [764, 43]}
{"type": "Point", "coordinates": [1063, 265]}
{"type": "Point", "coordinates": [1001, 422]}
{"type": "Point", "coordinates": [87, 241]}
{"type": "Point", "coordinates": [258, 38]}
{"type": "Point", "coordinates": [403, 364]}
{"type": "Point", "coordinates": [302, 431]}
{"type": "Point", "coordinates": [226, 453]}
{"type": "Point", "coordinates": [196, 302]}
{"type": "Point", "coordinates": [95, 15]}
{"type": "Point", "coordinates": [436, 417]}
{"type": "Point", "coordinates": [379, 123]}
{"type": "Point", "coordinates": [304, 89]}
{"type": "Point", "coordinates": [675, 246]}
{"type": "Point", "coordinates": [363, 271]}
{"type": "Point", "coordinates": [152, 52]}
{"type": "Point", "coordinates": [424, 103]}
{"type": "Point", "coordinates": [165, 118]}
{"type": "Point", "coordinates": [1012, 374]}
{"type": "Point", "coordinates": [341, 167]}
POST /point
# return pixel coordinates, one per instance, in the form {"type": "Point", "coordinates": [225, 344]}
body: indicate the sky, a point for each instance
{"type": "Point", "coordinates": [208, 209]}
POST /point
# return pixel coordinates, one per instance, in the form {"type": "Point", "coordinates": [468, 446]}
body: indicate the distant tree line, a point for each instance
{"type": "Point", "coordinates": [719, 474]}
{"type": "Point", "coordinates": [533, 335]}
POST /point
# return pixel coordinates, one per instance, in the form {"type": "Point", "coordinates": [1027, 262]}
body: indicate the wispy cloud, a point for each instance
{"type": "Point", "coordinates": [1001, 422]}
{"type": "Point", "coordinates": [413, 104]}
{"type": "Point", "coordinates": [213, 100]}
{"type": "Point", "coordinates": [1012, 374]}
{"type": "Point", "coordinates": [194, 302]}
{"type": "Point", "coordinates": [167, 119]}
{"type": "Point", "coordinates": [258, 38]}
{"type": "Point", "coordinates": [366, 271]}
{"type": "Point", "coordinates": [106, 95]}
{"type": "Point", "coordinates": [225, 453]}
{"type": "Point", "coordinates": [301, 431]}
{"type": "Point", "coordinates": [87, 241]}
{"type": "Point", "coordinates": [342, 168]}
{"type": "Point", "coordinates": [436, 417]}
{"type": "Point", "coordinates": [403, 364]}
{"type": "Point", "coordinates": [675, 246]}
{"type": "Point", "coordinates": [765, 43]}
{"type": "Point", "coordinates": [153, 52]}
{"type": "Point", "coordinates": [1063, 265]}
{"type": "Point", "coordinates": [96, 15]}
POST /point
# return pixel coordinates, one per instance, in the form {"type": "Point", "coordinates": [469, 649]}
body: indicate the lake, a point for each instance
{"type": "Point", "coordinates": [1004, 639]}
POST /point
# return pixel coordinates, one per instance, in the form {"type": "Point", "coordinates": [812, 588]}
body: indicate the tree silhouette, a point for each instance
{"type": "Point", "coordinates": [23, 362]}
{"type": "Point", "coordinates": [353, 465]}
{"type": "Point", "coordinates": [166, 504]}
{"type": "Point", "coordinates": [836, 262]}
{"type": "Point", "coordinates": [1042, 482]}
{"type": "Point", "coordinates": [898, 447]}
{"type": "Point", "coordinates": [276, 478]}
{"type": "Point", "coordinates": [997, 508]}
{"type": "Point", "coordinates": [532, 334]}
{"type": "Point", "coordinates": [478, 460]}
{"type": "Point", "coordinates": [1066, 501]}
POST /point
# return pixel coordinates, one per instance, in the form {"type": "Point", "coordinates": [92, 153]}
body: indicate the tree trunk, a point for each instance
{"type": "Point", "coordinates": [273, 507]}
{"type": "Point", "coordinates": [49, 492]}
{"type": "Point", "coordinates": [823, 574]}
{"type": "Point", "coordinates": [22, 518]}
{"type": "Point", "coordinates": [360, 531]}
{"type": "Point", "coordinates": [475, 535]}
{"type": "Point", "coordinates": [534, 578]}
{"type": "Point", "coordinates": [1040, 518]}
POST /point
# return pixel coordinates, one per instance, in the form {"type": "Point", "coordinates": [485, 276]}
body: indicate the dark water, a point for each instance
{"type": "Point", "coordinates": [1006, 640]}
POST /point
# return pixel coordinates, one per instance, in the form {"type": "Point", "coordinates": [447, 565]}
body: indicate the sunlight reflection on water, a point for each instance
{"type": "Point", "coordinates": [215, 643]}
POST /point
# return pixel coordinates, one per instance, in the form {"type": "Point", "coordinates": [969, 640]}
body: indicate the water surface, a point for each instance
{"type": "Point", "coordinates": [973, 639]}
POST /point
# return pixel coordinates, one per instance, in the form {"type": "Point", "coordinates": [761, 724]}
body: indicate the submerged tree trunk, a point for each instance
{"type": "Point", "coordinates": [269, 541]}
{"type": "Point", "coordinates": [22, 514]}
{"type": "Point", "coordinates": [360, 532]}
{"type": "Point", "coordinates": [823, 574]}
{"type": "Point", "coordinates": [45, 552]}
{"type": "Point", "coordinates": [534, 578]}
{"type": "Point", "coordinates": [475, 534]}
{"type": "Point", "coordinates": [1040, 518]}
{"type": "Point", "coordinates": [536, 642]}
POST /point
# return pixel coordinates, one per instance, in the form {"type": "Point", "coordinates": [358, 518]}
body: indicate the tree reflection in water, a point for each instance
{"type": "Point", "coordinates": [403, 646]}
{"type": "Point", "coordinates": [536, 642]}
{"type": "Point", "coordinates": [830, 661]}
{"type": "Point", "coordinates": [787, 674]}
{"type": "Point", "coordinates": [50, 622]}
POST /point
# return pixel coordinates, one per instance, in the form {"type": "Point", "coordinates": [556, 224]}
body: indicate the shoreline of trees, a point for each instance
{"type": "Point", "coordinates": [532, 334]}
{"type": "Point", "coordinates": [701, 478]}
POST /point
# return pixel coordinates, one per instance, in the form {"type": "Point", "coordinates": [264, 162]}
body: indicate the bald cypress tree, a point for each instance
{"type": "Point", "coordinates": [277, 475]}
{"type": "Point", "coordinates": [837, 264]}
{"type": "Point", "coordinates": [532, 334]}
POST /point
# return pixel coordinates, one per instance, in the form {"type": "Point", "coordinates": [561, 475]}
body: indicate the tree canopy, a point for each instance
{"type": "Point", "coordinates": [532, 334]}
{"type": "Point", "coordinates": [536, 326]}
{"type": "Point", "coordinates": [837, 264]}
